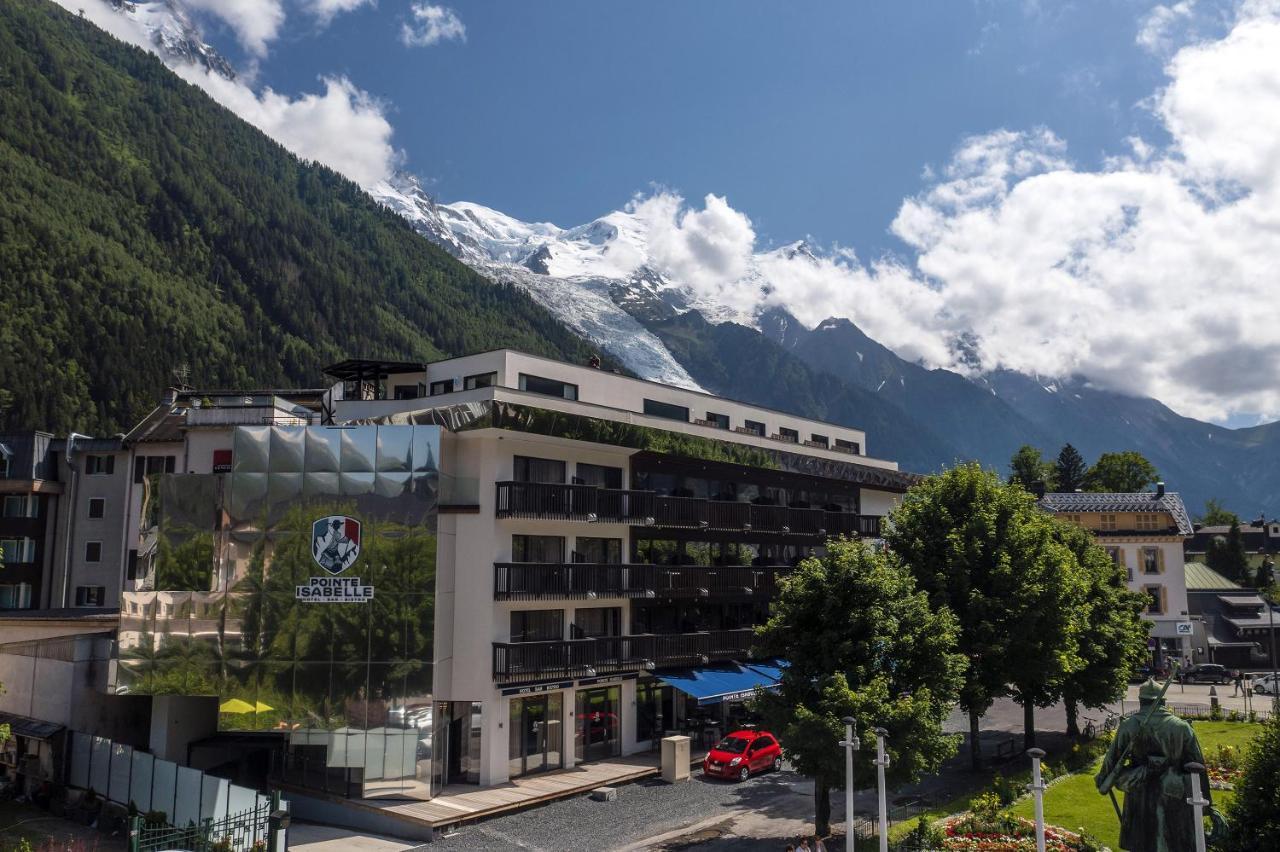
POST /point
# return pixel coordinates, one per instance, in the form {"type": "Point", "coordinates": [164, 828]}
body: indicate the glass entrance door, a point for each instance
{"type": "Point", "coordinates": [599, 729]}
{"type": "Point", "coordinates": [536, 725]}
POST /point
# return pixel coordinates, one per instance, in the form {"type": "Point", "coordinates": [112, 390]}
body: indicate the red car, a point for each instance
{"type": "Point", "coordinates": [742, 753]}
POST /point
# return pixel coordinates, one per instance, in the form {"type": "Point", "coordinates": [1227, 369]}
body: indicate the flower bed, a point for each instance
{"type": "Point", "coordinates": [1008, 834]}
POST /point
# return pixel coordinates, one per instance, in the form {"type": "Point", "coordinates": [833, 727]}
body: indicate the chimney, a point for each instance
{"type": "Point", "coordinates": [170, 396]}
{"type": "Point", "coordinates": [1038, 488]}
{"type": "Point", "coordinates": [1159, 490]}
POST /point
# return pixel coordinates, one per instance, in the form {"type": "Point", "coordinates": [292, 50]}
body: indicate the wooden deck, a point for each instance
{"type": "Point", "coordinates": [463, 803]}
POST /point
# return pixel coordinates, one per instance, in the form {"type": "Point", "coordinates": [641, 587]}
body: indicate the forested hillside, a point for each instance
{"type": "Point", "coordinates": [142, 226]}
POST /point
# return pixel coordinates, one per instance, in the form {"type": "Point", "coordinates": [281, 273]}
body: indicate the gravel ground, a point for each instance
{"type": "Point", "coordinates": [642, 810]}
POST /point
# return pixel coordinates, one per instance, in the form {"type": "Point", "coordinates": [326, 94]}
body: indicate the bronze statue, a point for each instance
{"type": "Point", "coordinates": [1145, 762]}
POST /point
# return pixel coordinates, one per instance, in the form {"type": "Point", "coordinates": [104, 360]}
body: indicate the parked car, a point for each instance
{"type": "Point", "coordinates": [742, 753]}
{"type": "Point", "coordinates": [1207, 673]}
{"type": "Point", "coordinates": [1267, 684]}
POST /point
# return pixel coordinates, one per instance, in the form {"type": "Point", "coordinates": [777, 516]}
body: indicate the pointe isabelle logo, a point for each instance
{"type": "Point", "coordinates": [335, 543]}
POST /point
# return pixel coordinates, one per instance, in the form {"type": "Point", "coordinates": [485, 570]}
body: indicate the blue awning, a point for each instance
{"type": "Point", "coordinates": [714, 684]}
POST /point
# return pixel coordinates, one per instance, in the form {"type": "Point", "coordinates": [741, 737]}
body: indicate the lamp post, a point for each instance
{"type": "Point", "coordinates": [882, 760]}
{"type": "Point", "coordinates": [850, 744]}
{"type": "Point", "coordinates": [1197, 802]}
{"type": "Point", "coordinates": [1271, 614]}
{"type": "Point", "coordinates": [1037, 791]}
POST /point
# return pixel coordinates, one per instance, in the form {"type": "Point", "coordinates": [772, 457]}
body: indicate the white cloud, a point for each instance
{"type": "Point", "coordinates": [707, 249]}
{"type": "Point", "coordinates": [326, 10]}
{"type": "Point", "coordinates": [256, 23]}
{"type": "Point", "coordinates": [1161, 27]}
{"type": "Point", "coordinates": [343, 127]}
{"type": "Point", "coordinates": [430, 25]}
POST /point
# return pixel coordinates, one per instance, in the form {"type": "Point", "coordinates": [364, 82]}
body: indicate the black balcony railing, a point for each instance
{"type": "Point", "coordinates": [645, 508]}
{"type": "Point", "coordinates": [532, 581]}
{"type": "Point", "coordinates": [531, 662]}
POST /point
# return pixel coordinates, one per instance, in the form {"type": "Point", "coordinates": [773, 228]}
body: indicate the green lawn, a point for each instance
{"type": "Point", "coordinates": [1074, 803]}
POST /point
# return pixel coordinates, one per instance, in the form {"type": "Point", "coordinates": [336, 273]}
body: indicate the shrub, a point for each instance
{"type": "Point", "coordinates": [924, 835]}
{"type": "Point", "coordinates": [1006, 789]}
{"type": "Point", "coordinates": [1253, 813]}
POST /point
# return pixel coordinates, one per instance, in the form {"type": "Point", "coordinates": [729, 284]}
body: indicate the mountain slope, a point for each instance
{"type": "Point", "coordinates": [142, 226]}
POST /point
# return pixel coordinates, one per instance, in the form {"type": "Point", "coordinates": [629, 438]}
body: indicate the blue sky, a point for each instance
{"type": "Point", "coordinates": [815, 119]}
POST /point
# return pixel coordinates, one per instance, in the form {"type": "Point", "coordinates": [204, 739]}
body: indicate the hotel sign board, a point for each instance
{"type": "Point", "coordinates": [335, 547]}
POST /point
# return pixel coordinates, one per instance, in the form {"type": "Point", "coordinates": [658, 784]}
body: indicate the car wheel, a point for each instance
{"type": "Point", "coordinates": [777, 763]}
{"type": "Point", "coordinates": [744, 773]}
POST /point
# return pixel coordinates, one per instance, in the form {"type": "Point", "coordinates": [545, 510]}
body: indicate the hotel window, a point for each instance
{"type": "Point", "coordinates": [599, 475]}
{"type": "Point", "coordinates": [480, 380]}
{"type": "Point", "coordinates": [598, 551]}
{"type": "Point", "coordinates": [1075, 518]}
{"type": "Point", "coordinates": [18, 550]}
{"type": "Point", "coordinates": [144, 466]}
{"type": "Point", "coordinates": [1107, 523]}
{"type": "Point", "coordinates": [597, 621]}
{"type": "Point", "coordinates": [542, 549]}
{"type": "Point", "coordinates": [442, 386]}
{"type": "Point", "coordinates": [90, 595]}
{"type": "Point", "coordinates": [99, 465]}
{"type": "Point", "coordinates": [408, 391]}
{"type": "Point", "coordinates": [820, 440]}
{"type": "Point", "coordinates": [537, 625]}
{"type": "Point", "coordinates": [753, 427]}
{"type": "Point", "coordinates": [21, 506]}
{"type": "Point", "coordinates": [666, 410]}
{"type": "Point", "coordinates": [1156, 604]}
{"type": "Point", "coordinates": [548, 387]}
{"type": "Point", "coordinates": [1148, 523]}
{"type": "Point", "coordinates": [852, 446]}
{"type": "Point", "coordinates": [530, 469]}
{"type": "Point", "coordinates": [1152, 560]}
{"type": "Point", "coordinates": [93, 551]}
{"type": "Point", "coordinates": [719, 421]}
{"type": "Point", "coordinates": [786, 434]}
{"type": "Point", "coordinates": [16, 596]}
{"type": "Point", "coordinates": [97, 507]}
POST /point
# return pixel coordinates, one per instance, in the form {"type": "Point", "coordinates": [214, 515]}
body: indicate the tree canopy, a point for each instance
{"type": "Point", "coordinates": [1227, 555]}
{"type": "Point", "coordinates": [1069, 470]}
{"type": "Point", "coordinates": [860, 641]}
{"type": "Point", "coordinates": [1217, 515]}
{"type": "Point", "coordinates": [1254, 812]}
{"type": "Point", "coordinates": [1123, 472]}
{"type": "Point", "coordinates": [1028, 466]}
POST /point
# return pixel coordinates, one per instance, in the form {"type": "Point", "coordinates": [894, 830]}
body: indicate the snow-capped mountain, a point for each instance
{"type": "Point", "coordinates": [175, 35]}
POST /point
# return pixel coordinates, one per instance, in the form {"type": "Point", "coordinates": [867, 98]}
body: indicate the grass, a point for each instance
{"type": "Point", "coordinates": [1074, 803]}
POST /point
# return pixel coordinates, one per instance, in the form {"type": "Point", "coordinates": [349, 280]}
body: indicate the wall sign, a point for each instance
{"type": "Point", "coordinates": [335, 547]}
{"type": "Point", "coordinates": [1184, 628]}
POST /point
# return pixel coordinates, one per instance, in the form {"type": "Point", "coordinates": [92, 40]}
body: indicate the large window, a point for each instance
{"type": "Point", "coordinates": [144, 466]}
{"type": "Point", "coordinates": [15, 596]}
{"type": "Point", "coordinates": [598, 474]}
{"type": "Point", "coordinates": [1152, 563]}
{"type": "Point", "coordinates": [598, 550]}
{"type": "Point", "coordinates": [546, 549]}
{"type": "Point", "coordinates": [18, 549]}
{"type": "Point", "coordinates": [530, 469]}
{"type": "Point", "coordinates": [99, 465]}
{"type": "Point", "coordinates": [480, 380]}
{"type": "Point", "coordinates": [90, 595]}
{"type": "Point", "coordinates": [1148, 523]}
{"type": "Point", "coordinates": [753, 427]}
{"type": "Point", "coordinates": [655, 408]}
{"type": "Point", "coordinates": [720, 421]}
{"type": "Point", "coordinates": [820, 440]}
{"type": "Point", "coordinates": [597, 621]}
{"type": "Point", "coordinates": [849, 446]}
{"type": "Point", "coordinates": [442, 386]}
{"type": "Point", "coordinates": [408, 391]}
{"type": "Point", "coordinates": [786, 434]}
{"type": "Point", "coordinates": [1155, 605]}
{"type": "Point", "coordinates": [1107, 523]}
{"type": "Point", "coordinates": [549, 387]}
{"type": "Point", "coordinates": [21, 506]}
{"type": "Point", "coordinates": [537, 625]}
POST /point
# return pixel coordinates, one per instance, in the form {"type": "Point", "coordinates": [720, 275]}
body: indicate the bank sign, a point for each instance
{"type": "Point", "coordinates": [335, 547]}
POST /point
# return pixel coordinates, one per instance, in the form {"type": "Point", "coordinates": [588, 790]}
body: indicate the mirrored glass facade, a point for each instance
{"type": "Point", "coordinates": [299, 589]}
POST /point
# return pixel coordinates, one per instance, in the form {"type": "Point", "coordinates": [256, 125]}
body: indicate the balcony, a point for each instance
{"type": "Point", "coordinates": [591, 504]}
{"type": "Point", "coordinates": [534, 581]}
{"type": "Point", "coordinates": [531, 662]}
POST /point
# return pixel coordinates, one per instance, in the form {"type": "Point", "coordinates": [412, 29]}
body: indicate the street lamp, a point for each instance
{"type": "Point", "coordinates": [850, 744]}
{"type": "Point", "coordinates": [1271, 613]}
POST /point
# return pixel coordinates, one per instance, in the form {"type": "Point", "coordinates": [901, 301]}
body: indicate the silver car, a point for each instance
{"type": "Point", "coordinates": [1267, 684]}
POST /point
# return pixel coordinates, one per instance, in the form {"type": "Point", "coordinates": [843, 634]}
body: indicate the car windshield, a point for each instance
{"type": "Point", "coordinates": [733, 745]}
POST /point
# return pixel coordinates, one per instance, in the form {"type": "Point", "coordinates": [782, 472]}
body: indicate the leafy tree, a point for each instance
{"type": "Point", "coordinates": [1028, 466]}
{"type": "Point", "coordinates": [1125, 472]}
{"type": "Point", "coordinates": [1217, 515]}
{"type": "Point", "coordinates": [1266, 577]}
{"type": "Point", "coordinates": [1228, 557]}
{"type": "Point", "coordinates": [1112, 639]}
{"type": "Point", "coordinates": [1069, 469]}
{"type": "Point", "coordinates": [863, 642]}
{"type": "Point", "coordinates": [1254, 812]}
{"type": "Point", "coordinates": [977, 547]}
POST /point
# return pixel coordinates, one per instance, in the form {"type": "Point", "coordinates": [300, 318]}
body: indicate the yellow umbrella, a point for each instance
{"type": "Point", "coordinates": [235, 705]}
{"type": "Point", "coordinates": [259, 707]}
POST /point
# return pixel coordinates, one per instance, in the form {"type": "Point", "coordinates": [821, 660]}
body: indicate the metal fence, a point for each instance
{"type": "Point", "coordinates": [250, 830]}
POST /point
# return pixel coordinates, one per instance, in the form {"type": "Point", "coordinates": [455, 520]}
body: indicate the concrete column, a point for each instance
{"type": "Point", "coordinates": [630, 719]}
{"type": "Point", "coordinates": [570, 727]}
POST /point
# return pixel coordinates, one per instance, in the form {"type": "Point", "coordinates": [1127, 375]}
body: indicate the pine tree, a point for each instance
{"type": "Point", "coordinates": [1228, 557]}
{"type": "Point", "coordinates": [1069, 470]}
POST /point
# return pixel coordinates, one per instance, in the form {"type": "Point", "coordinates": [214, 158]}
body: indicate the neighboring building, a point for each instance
{"type": "Point", "coordinates": [1143, 533]}
{"type": "Point", "coordinates": [1232, 625]}
{"type": "Point", "coordinates": [459, 572]}
{"type": "Point", "coordinates": [1259, 539]}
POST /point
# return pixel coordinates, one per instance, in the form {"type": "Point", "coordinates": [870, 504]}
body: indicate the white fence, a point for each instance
{"type": "Point", "coordinates": [122, 774]}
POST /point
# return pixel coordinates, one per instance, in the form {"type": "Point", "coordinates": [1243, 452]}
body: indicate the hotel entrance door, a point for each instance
{"type": "Point", "coordinates": [599, 733]}
{"type": "Point", "coordinates": [536, 734]}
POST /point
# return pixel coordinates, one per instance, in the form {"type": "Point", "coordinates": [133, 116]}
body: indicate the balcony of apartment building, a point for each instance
{"type": "Point", "coordinates": [517, 663]}
{"type": "Point", "coordinates": [588, 581]}
{"type": "Point", "coordinates": [594, 504]}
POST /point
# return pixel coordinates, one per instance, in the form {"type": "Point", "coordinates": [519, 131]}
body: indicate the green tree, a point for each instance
{"type": "Point", "coordinates": [1217, 515]}
{"type": "Point", "coordinates": [976, 547]}
{"type": "Point", "coordinates": [1254, 812]}
{"type": "Point", "coordinates": [861, 641]}
{"type": "Point", "coordinates": [1112, 640]}
{"type": "Point", "coordinates": [1028, 466]}
{"type": "Point", "coordinates": [1227, 556]}
{"type": "Point", "coordinates": [1069, 470]}
{"type": "Point", "coordinates": [1125, 472]}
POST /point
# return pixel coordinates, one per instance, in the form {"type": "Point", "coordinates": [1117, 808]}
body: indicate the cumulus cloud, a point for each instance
{"type": "Point", "coordinates": [1153, 274]}
{"type": "Point", "coordinates": [343, 126]}
{"type": "Point", "coordinates": [431, 24]}
{"type": "Point", "coordinates": [256, 23]}
{"type": "Point", "coordinates": [1160, 27]}
{"type": "Point", "coordinates": [326, 10]}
